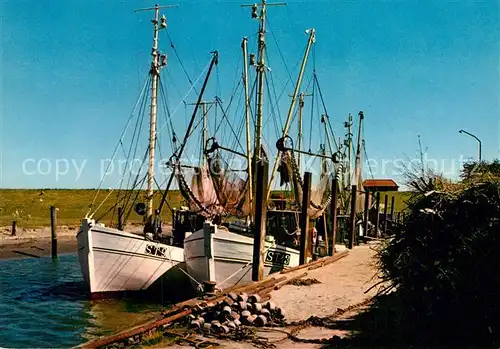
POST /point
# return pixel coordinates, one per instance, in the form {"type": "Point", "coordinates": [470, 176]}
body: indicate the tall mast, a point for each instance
{"type": "Point", "coordinates": [299, 143]}
{"type": "Point", "coordinates": [204, 130]}
{"type": "Point", "coordinates": [357, 165]}
{"type": "Point", "coordinates": [310, 41]}
{"type": "Point", "coordinates": [155, 71]}
{"type": "Point", "coordinates": [348, 143]}
{"type": "Point", "coordinates": [247, 119]}
{"type": "Point", "coordinates": [158, 61]}
{"type": "Point", "coordinates": [261, 69]}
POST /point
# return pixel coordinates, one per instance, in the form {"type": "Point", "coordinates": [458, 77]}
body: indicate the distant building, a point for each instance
{"type": "Point", "coordinates": [374, 185]}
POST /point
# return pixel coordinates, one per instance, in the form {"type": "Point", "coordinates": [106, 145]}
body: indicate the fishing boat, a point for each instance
{"type": "Point", "coordinates": [111, 258]}
{"type": "Point", "coordinates": [222, 252]}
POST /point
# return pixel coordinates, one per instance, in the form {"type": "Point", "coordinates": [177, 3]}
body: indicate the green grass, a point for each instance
{"type": "Point", "coordinates": [33, 209]}
{"type": "Point", "coordinates": [400, 198]}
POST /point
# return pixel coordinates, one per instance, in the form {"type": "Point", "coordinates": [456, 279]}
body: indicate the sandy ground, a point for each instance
{"type": "Point", "coordinates": [35, 242]}
{"type": "Point", "coordinates": [343, 283]}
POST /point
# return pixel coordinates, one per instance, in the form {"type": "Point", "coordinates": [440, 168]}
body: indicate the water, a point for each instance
{"type": "Point", "coordinates": [44, 304]}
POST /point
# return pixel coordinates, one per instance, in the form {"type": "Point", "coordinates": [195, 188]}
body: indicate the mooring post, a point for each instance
{"type": "Point", "coordinates": [53, 230]}
{"type": "Point", "coordinates": [377, 218]}
{"type": "Point", "coordinates": [304, 218]}
{"type": "Point", "coordinates": [385, 213]}
{"type": "Point", "coordinates": [13, 233]}
{"type": "Point", "coordinates": [327, 241]}
{"type": "Point", "coordinates": [334, 215]}
{"type": "Point", "coordinates": [260, 220]}
{"type": "Point", "coordinates": [352, 218]}
{"type": "Point", "coordinates": [366, 215]}
{"type": "Point", "coordinates": [120, 218]}
{"type": "Point", "coordinates": [392, 208]}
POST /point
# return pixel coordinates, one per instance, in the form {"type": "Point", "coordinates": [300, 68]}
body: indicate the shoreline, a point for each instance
{"type": "Point", "coordinates": [36, 248]}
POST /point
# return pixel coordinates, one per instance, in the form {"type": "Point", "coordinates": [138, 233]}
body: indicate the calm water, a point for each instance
{"type": "Point", "coordinates": [45, 304]}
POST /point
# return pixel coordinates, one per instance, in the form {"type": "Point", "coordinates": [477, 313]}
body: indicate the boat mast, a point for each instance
{"type": "Point", "coordinates": [204, 130]}
{"type": "Point", "coordinates": [247, 117]}
{"type": "Point", "coordinates": [357, 165]}
{"type": "Point", "coordinates": [299, 143]}
{"type": "Point", "coordinates": [158, 61]}
{"type": "Point", "coordinates": [261, 68]}
{"type": "Point", "coordinates": [348, 144]}
{"type": "Point", "coordinates": [310, 41]}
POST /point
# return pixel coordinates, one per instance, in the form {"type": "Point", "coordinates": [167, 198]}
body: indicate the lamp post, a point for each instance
{"type": "Point", "coordinates": [477, 139]}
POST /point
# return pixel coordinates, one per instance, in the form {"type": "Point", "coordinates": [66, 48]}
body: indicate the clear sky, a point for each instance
{"type": "Point", "coordinates": [71, 72]}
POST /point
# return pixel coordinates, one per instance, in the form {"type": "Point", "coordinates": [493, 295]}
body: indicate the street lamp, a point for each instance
{"type": "Point", "coordinates": [477, 139]}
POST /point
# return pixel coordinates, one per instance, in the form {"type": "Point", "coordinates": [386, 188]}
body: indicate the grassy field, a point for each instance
{"type": "Point", "coordinates": [32, 209]}
{"type": "Point", "coordinates": [399, 199]}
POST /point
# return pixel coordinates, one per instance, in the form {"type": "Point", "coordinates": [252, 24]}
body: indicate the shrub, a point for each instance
{"type": "Point", "coordinates": [444, 263]}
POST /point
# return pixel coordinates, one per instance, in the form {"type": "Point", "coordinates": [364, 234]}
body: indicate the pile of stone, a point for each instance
{"type": "Point", "coordinates": [235, 311]}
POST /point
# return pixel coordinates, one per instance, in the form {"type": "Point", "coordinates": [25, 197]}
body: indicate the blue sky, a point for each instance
{"type": "Point", "coordinates": [71, 72]}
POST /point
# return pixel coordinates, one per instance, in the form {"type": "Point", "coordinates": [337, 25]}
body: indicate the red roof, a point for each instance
{"type": "Point", "coordinates": [370, 183]}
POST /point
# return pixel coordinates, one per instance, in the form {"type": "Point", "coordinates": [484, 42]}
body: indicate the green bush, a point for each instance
{"type": "Point", "coordinates": [444, 263]}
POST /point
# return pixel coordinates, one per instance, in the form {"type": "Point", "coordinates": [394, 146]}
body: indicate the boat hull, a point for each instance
{"type": "Point", "coordinates": [113, 261]}
{"type": "Point", "coordinates": [225, 258]}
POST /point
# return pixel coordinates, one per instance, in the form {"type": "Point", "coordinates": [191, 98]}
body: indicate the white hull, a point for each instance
{"type": "Point", "coordinates": [225, 258]}
{"type": "Point", "coordinates": [113, 260]}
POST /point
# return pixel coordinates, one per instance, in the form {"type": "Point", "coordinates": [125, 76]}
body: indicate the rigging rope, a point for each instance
{"type": "Point", "coordinates": [183, 101]}
{"type": "Point", "coordinates": [116, 148]}
{"type": "Point", "coordinates": [312, 113]}
{"type": "Point", "coordinates": [179, 59]}
{"type": "Point", "coordinates": [324, 108]}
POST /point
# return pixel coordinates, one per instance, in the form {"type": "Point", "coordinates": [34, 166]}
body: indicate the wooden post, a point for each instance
{"type": "Point", "coordinates": [392, 208]}
{"type": "Point", "coordinates": [304, 218]}
{"type": "Point", "coordinates": [366, 215]}
{"type": "Point", "coordinates": [399, 217]}
{"type": "Point", "coordinates": [120, 218]}
{"type": "Point", "coordinates": [377, 218]}
{"type": "Point", "coordinates": [327, 241]}
{"type": "Point", "coordinates": [334, 215]}
{"type": "Point", "coordinates": [53, 230]}
{"type": "Point", "coordinates": [260, 220]}
{"type": "Point", "coordinates": [385, 213]}
{"type": "Point", "coordinates": [13, 233]}
{"type": "Point", "coordinates": [352, 218]}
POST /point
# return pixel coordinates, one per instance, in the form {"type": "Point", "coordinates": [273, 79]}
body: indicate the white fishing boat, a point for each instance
{"type": "Point", "coordinates": [217, 255]}
{"type": "Point", "coordinates": [111, 258]}
{"type": "Point", "coordinates": [114, 260]}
